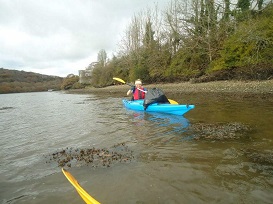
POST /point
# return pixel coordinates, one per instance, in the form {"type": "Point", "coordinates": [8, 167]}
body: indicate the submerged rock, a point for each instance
{"type": "Point", "coordinates": [219, 131]}
{"type": "Point", "coordinates": [91, 156]}
{"type": "Point", "coordinates": [259, 157]}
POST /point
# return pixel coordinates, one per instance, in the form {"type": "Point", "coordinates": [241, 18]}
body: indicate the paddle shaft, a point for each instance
{"type": "Point", "coordinates": [141, 90]}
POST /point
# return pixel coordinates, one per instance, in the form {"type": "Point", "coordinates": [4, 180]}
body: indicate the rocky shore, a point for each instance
{"type": "Point", "coordinates": [225, 87]}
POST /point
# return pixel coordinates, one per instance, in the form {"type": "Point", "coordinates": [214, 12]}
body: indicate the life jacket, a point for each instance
{"type": "Point", "coordinates": [139, 94]}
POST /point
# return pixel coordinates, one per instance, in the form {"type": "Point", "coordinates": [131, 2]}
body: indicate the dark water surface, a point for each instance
{"type": "Point", "coordinates": [220, 152]}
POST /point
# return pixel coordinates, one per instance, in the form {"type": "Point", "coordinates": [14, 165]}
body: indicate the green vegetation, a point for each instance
{"type": "Point", "coordinates": [13, 81]}
{"type": "Point", "coordinates": [247, 53]}
{"type": "Point", "coordinates": [71, 82]}
{"type": "Point", "coordinates": [194, 40]}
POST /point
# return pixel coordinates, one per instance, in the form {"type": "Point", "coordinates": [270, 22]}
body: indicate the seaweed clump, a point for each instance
{"type": "Point", "coordinates": [96, 157]}
{"type": "Point", "coordinates": [255, 156]}
{"type": "Point", "coordinates": [219, 131]}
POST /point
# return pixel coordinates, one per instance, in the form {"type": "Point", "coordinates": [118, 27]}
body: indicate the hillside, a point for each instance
{"type": "Point", "coordinates": [13, 81]}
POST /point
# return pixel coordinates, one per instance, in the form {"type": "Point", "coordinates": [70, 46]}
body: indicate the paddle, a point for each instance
{"type": "Point", "coordinates": [122, 81]}
{"type": "Point", "coordinates": [85, 196]}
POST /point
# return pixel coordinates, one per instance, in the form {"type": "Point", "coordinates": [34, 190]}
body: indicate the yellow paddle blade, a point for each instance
{"type": "Point", "coordinates": [172, 101]}
{"type": "Point", "coordinates": [85, 196]}
{"type": "Point", "coordinates": [120, 80]}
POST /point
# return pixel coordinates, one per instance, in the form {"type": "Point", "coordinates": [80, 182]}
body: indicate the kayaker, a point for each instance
{"type": "Point", "coordinates": [138, 90]}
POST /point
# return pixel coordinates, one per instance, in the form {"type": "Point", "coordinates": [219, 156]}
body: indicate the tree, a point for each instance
{"type": "Point", "coordinates": [244, 5]}
{"type": "Point", "coordinates": [173, 24]}
{"type": "Point", "coordinates": [260, 4]}
{"type": "Point", "coordinates": [69, 81]}
{"type": "Point", "coordinates": [227, 10]}
{"type": "Point", "coordinates": [102, 58]}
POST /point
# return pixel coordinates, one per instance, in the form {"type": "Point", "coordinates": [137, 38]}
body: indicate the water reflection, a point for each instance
{"type": "Point", "coordinates": [169, 124]}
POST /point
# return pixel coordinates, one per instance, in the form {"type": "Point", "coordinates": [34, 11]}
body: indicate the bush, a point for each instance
{"type": "Point", "coordinates": [68, 82]}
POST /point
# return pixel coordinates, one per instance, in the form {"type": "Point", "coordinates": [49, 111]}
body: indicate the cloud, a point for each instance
{"type": "Point", "coordinates": [61, 37]}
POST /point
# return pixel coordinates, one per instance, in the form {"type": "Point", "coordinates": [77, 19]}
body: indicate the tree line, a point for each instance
{"type": "Point", "coordinates": [193, 40]}
{"type": "Point", "coordinates": [14, 81]}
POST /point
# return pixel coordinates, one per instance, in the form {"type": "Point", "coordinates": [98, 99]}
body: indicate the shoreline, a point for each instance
{"type": "Point", "coordinates": [214, 87]}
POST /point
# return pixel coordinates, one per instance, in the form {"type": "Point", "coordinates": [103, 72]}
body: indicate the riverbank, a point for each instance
{"type": "Point", "coordinates": [224, 87]}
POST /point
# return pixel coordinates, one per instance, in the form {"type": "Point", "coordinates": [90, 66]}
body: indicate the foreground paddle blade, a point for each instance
{"type": "Point", "coordinates": [120, 80]}
{"type": "Point", "coordinates": [172, 101]}
{"type": "Point", "coordinates": [85, 196]}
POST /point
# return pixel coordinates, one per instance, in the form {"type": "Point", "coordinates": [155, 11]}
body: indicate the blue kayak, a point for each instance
{"type": "Point", "coordinates": [175, 109]}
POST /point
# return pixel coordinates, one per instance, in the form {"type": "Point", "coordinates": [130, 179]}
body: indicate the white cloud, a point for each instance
{"type": "Point", "coordinates": [61, 37]}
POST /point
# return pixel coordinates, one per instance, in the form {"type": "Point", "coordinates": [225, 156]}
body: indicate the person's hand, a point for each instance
{"type": "Point", "coordinates": [129, 92]}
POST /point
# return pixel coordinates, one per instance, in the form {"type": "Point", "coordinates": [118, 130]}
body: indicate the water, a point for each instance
{"type": "Point", "coordinates": [169, 165]}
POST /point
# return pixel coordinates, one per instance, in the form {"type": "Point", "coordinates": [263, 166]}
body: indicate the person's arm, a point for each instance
{"type": "Point", "coordinates": [130, 91]}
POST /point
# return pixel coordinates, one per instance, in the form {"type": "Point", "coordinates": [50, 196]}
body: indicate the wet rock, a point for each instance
{"type": "Point", "coordinates": [262, 158]}
{"type": "Point", "coordinates": [259, 160]}
{"type": "Point", "coordinates": [219, 131]}
{"type": "Point", "coordinates": [96, 157]}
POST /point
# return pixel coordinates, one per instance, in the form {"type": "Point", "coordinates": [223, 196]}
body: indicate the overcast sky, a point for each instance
{"type": "Point", "coordinates": [59, 37]}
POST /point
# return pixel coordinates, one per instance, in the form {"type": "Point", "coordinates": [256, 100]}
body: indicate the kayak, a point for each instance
{"type": "Point", "coordinates": [175, 109]}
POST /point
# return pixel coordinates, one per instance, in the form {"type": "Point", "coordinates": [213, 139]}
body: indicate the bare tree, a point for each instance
{"type": "Point", "coordinates": [173, 25]}
{"type": "Point", "coordinates": [102, 58]}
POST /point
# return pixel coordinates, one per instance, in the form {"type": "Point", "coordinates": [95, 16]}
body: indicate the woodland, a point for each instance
{"type": "Point", "coordinates": [13, 81]}
{"type": "Point", "coordinates": [193, 40]}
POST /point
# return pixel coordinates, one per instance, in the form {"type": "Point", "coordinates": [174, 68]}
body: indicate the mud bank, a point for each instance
{"type": "Point", "coordinates": [245, 88]}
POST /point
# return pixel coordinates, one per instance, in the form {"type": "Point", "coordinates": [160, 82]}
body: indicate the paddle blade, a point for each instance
{"type": "Point", "coordinates": [84, 195]}
{"type": "Point", "coordinates": [120, 80]}
{"type": "Point", "coordinates": [172, 101]}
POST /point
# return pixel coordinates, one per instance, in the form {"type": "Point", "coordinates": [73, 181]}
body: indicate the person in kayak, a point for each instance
{"type": "Point", "coordinates": [138, 90]}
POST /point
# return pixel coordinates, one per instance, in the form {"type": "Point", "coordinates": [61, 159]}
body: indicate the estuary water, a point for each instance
{"type": "Point", "coordinates": [219, 152]}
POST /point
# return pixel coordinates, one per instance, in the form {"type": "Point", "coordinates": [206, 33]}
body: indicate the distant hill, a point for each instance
{"type": "Point", "coordinates": [13, 81]}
